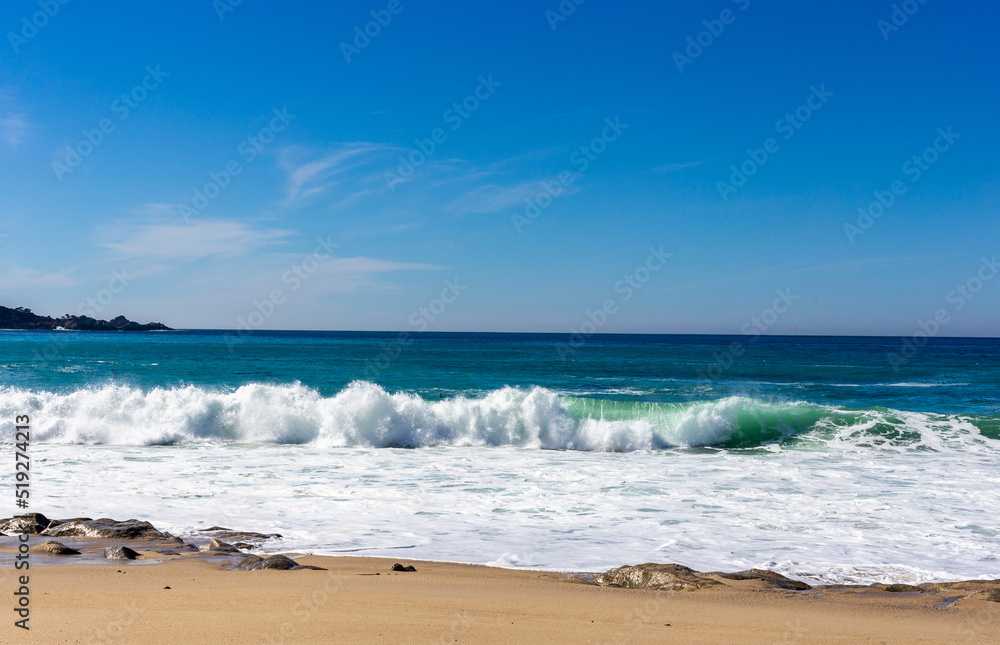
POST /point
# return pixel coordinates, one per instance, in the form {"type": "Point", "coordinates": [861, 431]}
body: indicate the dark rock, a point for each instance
{"type": "Point", "coordinates": [32, 523]}
{"type": "Point", "coordinates": [219, 545]}
{"type": "Point", "coordinates": [399, 567]}
{"type": "Point", "coordinates": [244, 546]}
{"type": "Point", "coordinates": [767, 576]}
{"type": "Point", "coordinates": [106, 528]}
{"type": "Point", "coordinates": [667, 577]}
{"type": "Point", "coordinates": [901, 588]}
{"type": "Point", "coordinates": [54, 548]}
{"type": "Point", "coordinates": [216, 528]}
{"type": "Point", "coordinates": [55, 523]}
{"type": "Point", "coordinates": [993, 595]}
{"type": "Point", "coordinates": [249, 563]}
{"type": "Point", "coordinates": [166, 587]}
{"type": "Point", "coordinates": [21, 318]}
{"type": "Point", "coordinates": [241, 536]}
{"type": "Point", "coordinates": [120, 553]}
{"type": "Point", "coordinates": [280, 562]}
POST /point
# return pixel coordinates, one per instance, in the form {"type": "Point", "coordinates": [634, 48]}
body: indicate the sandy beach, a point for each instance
{"type": "Point", "coordinates": [406, 322]}
{"type": "Point", "coordinates": [360, 600]}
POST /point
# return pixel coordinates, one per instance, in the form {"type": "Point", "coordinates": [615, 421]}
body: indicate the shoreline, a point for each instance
{"type": "Point", "coordinates": [361, 600]}
{"type": "Point", "coordinates": [201, 588]}
{"type": "Point", "coordinates": [148, 559]}
{"type": "Point", "coordinates": [582, 575]}
{"type": "Point", "coordinates": [200, 538]}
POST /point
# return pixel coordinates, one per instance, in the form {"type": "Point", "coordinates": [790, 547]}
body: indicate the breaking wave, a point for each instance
{"type": "Point", "coordinates": [366, 415]}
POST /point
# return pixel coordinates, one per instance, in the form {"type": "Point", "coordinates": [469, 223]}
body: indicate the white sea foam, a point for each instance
{"type": "Point", "coordinates": [821, 494]}
{"type": "Point", "coordinates": [816, 516]}
{"type": "Point", "coordinates": [365, 414]}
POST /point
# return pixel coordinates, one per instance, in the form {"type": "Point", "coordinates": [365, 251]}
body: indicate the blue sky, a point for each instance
{"type": "Point", "coordinates": [516, 99]}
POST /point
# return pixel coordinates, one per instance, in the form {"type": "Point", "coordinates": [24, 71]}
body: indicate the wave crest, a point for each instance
{"type": "Point", "coordinates": [364, 414]}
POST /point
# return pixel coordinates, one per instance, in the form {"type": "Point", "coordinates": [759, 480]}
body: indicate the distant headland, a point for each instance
{"type": "Point", "coordinates": [21, 318]}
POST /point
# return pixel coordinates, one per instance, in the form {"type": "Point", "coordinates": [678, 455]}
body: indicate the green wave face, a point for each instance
{"type": "Point", "coordinates": [735, 422]}
{"type": "Point", "coordinates": [741, 422]}
{"type": "Point", "coordinates": [365, 414]}
{"type": "Point", "coordinates": [988, 426]}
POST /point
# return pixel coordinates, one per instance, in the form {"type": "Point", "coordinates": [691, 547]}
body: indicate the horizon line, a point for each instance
{"type": "Point", "coordinates": [566, 333]}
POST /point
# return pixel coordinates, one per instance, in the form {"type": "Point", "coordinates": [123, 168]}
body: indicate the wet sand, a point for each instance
{"type": "Point", "coordinates": [127, 602]}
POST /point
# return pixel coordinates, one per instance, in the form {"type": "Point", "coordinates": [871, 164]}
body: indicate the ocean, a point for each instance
{"type": "Point", "coordinates": [827, 459]}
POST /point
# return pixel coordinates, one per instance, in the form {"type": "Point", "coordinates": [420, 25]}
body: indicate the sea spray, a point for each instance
{"type": "Point", "coordinates": [365, 414]}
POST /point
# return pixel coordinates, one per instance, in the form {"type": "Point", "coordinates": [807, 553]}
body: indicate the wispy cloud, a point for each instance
{"type": "Point", "coordinates": [310, 176]}
{"type": "Point", "coordinates": [492, 198]}
{"type": "Point", "coordinates": [20, 278]}
{"type": "Point", "coordinates": [388, 229]}
{"type": "Point", "coordinates": [353, 176]}
{"type": "Point", "coordinates": [365, 265]}
{"type": "Point", "coordinates": [674, 167]}
{"type": "Point", "coordinates": [192, 241]}
{"type": "Point", "coordinates": [331, 276]}
{"type": "Point", "coordinates": [14, 125]}
{"type": "Point", "coordinates": [338, 276]}
{"type": "Point", "coordinates": [802, 266]}
{"type": "Point", "coordinates": [158, 210]}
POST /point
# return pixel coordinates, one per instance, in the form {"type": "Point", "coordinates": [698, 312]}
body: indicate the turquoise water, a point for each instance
{"type": "Point", "coordinates": [786, 385]}
{"type": "Point", "coordinates": [948, 375]}
{"type": "Point", "coordinates": [827, 459]}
